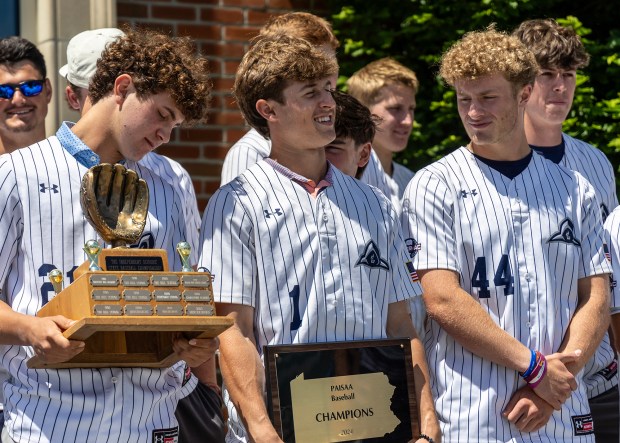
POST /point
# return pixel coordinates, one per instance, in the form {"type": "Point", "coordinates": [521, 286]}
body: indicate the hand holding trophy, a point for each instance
{"type": "Point", "coordinates": [127, 304]}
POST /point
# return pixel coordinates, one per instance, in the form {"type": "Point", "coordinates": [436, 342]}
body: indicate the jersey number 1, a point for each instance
{"type": "Point", "coordinates": [503, 277]}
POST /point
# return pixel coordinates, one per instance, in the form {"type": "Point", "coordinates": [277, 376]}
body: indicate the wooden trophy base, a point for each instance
{"type": "Point", "coordinates": [129, 318]}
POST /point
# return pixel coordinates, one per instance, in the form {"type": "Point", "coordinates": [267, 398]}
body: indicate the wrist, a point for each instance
{"type": "Point", "coordinates": [426, 437]}
{"type": "Point", "coordinates": [535, 374]}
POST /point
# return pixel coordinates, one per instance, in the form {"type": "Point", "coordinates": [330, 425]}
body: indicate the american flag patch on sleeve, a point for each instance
{"type": "Point", "coordinates": [412, 272]}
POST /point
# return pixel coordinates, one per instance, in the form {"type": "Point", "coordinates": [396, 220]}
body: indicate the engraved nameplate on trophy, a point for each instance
{"type": "Point", "coordinates": [137, 295]}
{"type": "Point", "coordinates": [135, 280]}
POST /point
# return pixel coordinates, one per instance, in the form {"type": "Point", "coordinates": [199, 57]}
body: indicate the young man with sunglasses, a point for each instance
{"type": "Point", "coordinates": [25, 92]}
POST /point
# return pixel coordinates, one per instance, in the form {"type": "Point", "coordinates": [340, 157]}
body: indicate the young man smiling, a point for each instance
{"type": "Point", "coordinates": [25, 92]}
{"type": "Point", "coordinates": [312, 255]}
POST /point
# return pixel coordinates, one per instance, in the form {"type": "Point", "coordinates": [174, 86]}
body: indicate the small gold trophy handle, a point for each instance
{"type": "Point", "coordinates": [55, 276]}
{"type": "Point", "coordinates": [184, 250]}
{"type": "Point", "coordinates": [92, 250]}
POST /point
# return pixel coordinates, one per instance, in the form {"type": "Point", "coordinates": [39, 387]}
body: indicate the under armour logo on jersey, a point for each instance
{"type": "Point", "coordinates": [147, 241]}
{"type": "Point", "coordinates": [412, 246]}
{"type": "Point", "coordinates": [465, 193]}
{"type": "Point", "coordinates": [170, 435]}
{"type": "Point", "coordinates": [53, 188]}
{"type": "Point", "coordinates": [583, 424]}
{"type": "Point", "coordinates": [275, 212]}
{"type": "Point", "coordinates": [566, 234]}
{"type": "Point", "coordinates": [371, 257]}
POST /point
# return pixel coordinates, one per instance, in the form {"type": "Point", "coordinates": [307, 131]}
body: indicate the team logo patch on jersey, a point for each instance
{"type": "Point", "coordinates": [412, 246]}
{"type": "Point", "coordinates": [583, 424]}
{"type": "Point", "coordinates": [412, 272]}
{"type": "Point", "coordinates": [274, 212]}
{"type": "Point", "coordinates": [371, 257]}
{"type": "Point", "coordinates": [606, 251]}
{"type": "Point", "coordinates": [566, 234]}
{"type": "Point", "coordinates": [52, 188]}
{"type": "Point", "coordinates": [610, 371]}
{"type": "Point", "coordinates": [170, 435]}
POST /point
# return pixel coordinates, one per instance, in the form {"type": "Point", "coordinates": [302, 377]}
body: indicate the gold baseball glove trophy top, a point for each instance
{"type": "Point", "coordinates": [129, 306]}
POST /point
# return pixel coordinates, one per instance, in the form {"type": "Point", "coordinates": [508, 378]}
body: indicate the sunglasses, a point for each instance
{"type": "Point", "coordinates": [29, 88]}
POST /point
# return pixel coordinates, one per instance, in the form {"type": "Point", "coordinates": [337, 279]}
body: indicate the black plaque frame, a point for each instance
{"type": "Point", "coordinates": [283, 363]}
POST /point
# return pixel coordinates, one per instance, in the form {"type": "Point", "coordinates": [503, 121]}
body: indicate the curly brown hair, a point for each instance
{"type": "Point", "coordinates": [316, 30]}
{"type": "Point", "coordinates": [267, 68]}
{"type": "Point", "coordinates": [487, 52]}
{"type": "Point", "coordinates": [554, 46]}
{"type": "Point", "coordinates": [366, 83]}
{"type": "Point", "coordinates": [156, 63]}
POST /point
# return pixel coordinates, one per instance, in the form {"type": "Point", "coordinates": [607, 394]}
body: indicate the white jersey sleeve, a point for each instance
{"type": "Point", "coordinates": [250, 149]}
{"type": "Point", "coordinates": [612, 252]}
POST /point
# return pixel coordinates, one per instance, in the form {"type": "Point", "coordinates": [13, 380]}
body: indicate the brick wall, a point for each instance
{"type": "Point", "coordinates": [221, 29]}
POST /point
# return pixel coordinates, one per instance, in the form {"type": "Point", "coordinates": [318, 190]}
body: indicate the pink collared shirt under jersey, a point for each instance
{"type": "Point", "coordinates": [309, 185]}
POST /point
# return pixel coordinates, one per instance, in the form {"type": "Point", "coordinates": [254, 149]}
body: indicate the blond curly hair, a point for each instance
{"type": "Point", "coordinates": [487, 52]}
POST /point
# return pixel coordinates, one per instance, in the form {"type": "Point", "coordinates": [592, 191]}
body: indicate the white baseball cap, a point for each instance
{"type": "Point", "coordinates": [83, 51]}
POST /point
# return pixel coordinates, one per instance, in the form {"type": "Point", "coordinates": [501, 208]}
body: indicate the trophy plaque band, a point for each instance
{"type": "Point", "coordinates": [360, 391]}
{"type": "Point", "coordinates": [129, 312]}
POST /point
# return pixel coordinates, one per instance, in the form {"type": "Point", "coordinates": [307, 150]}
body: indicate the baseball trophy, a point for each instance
{"type": "Point", "coordinates": [128, 305]}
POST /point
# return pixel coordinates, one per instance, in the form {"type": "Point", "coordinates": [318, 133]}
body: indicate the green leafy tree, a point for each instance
{"type": "Point", "coordinates": [417, 32]}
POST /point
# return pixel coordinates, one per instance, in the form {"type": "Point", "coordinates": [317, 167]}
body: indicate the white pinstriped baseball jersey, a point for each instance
{"type": "Point", "coordinates": [595, 167]}
{"type": "Point", "coordinates": [42, 227]}
{"type": "Point", "coordinates": [401, 176]}
{"type": "Point", "coordinates": [315, 270]}
{"type": "Point", "coordinates": [250, 149]}
{"type": "Point", "coordinates": [177, 177]}
{"type": "Point", "coordinates": [519, 247]}
{"type": "Point", "coordinates": [612, 240]}
{"type": "Point", "coordinates": [394, 187]}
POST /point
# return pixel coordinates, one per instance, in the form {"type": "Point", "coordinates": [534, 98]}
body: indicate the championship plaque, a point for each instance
{"type": "Point", "coordinates": [128, 305]}
{"type": "Point", "coordinates": [361, 391]}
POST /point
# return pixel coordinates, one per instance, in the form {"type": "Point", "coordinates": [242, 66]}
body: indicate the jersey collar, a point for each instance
{"type": "Point", "coordinates": [309, 185]}
{"type": "Point", "coordinates": [76, 147]}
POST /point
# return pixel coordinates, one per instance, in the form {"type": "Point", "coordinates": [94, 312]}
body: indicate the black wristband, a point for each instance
{"type": "Point", "coordinates": [427, 438]}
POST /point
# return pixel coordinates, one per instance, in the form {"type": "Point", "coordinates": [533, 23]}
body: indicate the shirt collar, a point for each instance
{"type": "Point", "coordinates": [309, 185]}
{"type": "Point", "coordinates": [76, 147]}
